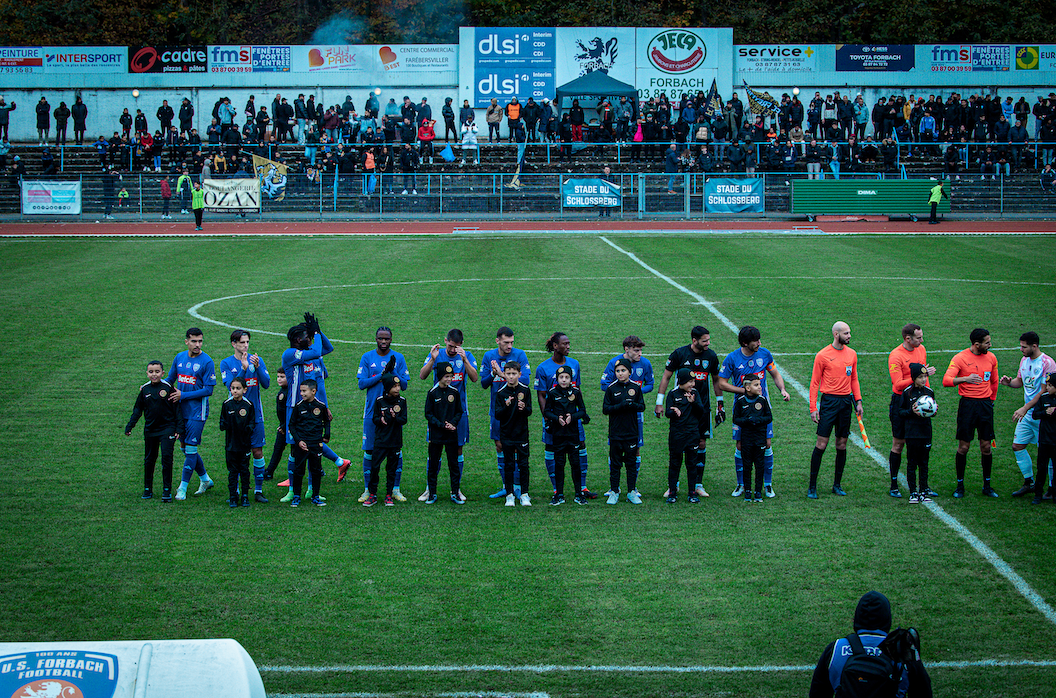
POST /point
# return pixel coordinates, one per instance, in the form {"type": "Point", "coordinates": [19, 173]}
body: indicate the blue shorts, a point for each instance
{"type": "Point", "coordinates": [493, 431]}
{"type": "Point", "coordinates": [192, 432]}
{"type": "Point", "coordinates": [1027, 431]}
{"type": "Point", "coordinates": [769, 431]}
{"type": "Point", "coordinates": [368, 434]}
{"type": "Point", "coordinates": [463, 429]}
{"type": "Point", "coordinates": [258, 440]}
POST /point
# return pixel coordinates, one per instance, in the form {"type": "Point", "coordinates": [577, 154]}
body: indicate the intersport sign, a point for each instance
{"type": "Point", "coordinates": [168, 59]}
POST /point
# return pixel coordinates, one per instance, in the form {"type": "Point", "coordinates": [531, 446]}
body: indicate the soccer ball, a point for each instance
{"type": "Point", "coordinates": [925, 406]}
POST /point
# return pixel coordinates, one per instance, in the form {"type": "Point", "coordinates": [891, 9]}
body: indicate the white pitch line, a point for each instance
{"type": "Point", "coordinates": [609, 669]}
{"type": "Point", "coordinates": [960, 529]}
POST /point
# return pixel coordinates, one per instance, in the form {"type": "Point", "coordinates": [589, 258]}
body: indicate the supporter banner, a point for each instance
{"type": "Point", "coordinates": [232, 194]}
{"type": "Point", "coordinates": [272, 177]}
{"type": "Point", "coordinates": [590, 193]}
{"type": "Point", "coordinates": [776, 58]}
{"type": "Point", "coordinates": [513, 62]}
{"type": "Point", "coordinates": [249, 59]}
{"type": "Point", "coordinates": [966, 58]}
{"type": "Point", "coordinates": [167, 59]}
{"type": "Point", "coordinates": [85, 59]}
{"type": "Point", "coordinates": [894, 58]}
{"type": "Point", "coordinates": [51, 198]}
{"type": "Point", "coordinates": [1041, 57]}
{"type": "Point", "coordinates": [723, 195]}
{"type": "Point", "coordinates": [21, 59]}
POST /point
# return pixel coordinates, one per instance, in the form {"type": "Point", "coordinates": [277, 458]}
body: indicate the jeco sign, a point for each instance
{"type": "Point", "coordinates": [676, 51]}
{"type": "Point", "coordinates": [165, 59]}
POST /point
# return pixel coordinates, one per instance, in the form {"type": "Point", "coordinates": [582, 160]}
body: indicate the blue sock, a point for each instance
{"type": "Point", "coordinates": [768, 467]}
{"type": "Point", "coordinates": [702, 457]}
{"type": "Point", "coordinates": [1025, 465]}
{"type": "Point", "coordinates": [502, 465]}
{"type": "Point", "coordinates": [190, 462]}
{"type": "Point", "coordinates": [329, 453]}
{"type": "Point", "coordinates": [367, 459]}
{"type": "Point", "coordinates": [289, 469]}
{"type": "Point", "coordinates": [583, 466]}
{"type": "Point", "coordinates": [637, 466]}
{"type": "Point", "coordinates": [399, 470]}
{"type": "Point", "coordinates": [461, 464]}
{"type": "Point", "coordinates": [548, 461]}
{"type": "Point", "coordinates": [258, 474]}
{"type": "Point", "coordinates": [199, 465]}
{"type": "Point", "coordinates": [738, 465]}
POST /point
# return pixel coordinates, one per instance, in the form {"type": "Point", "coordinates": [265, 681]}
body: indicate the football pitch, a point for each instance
{"type": "Point", "coordinates": [716, 598]}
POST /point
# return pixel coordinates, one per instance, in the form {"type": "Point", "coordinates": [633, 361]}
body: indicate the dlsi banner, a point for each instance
{"type": "Point", "coordinates": [232, 194]}
{"type": "Point", "coordinates": [590, 193]}
{"type": "Point", "coordinates": [725, 195]}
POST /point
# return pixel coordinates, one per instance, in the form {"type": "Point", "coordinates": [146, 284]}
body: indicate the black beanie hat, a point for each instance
{"type": "Point", "coordinates": [625, 362]}
{"type": "Point", "coordinates": [387, 381]}
{"type": "Point", "coordinates": [443, 368]}
{"type": "Point", "coordinates": [915, 370]}
{"type": "Point", "coordinates": [564, 369]}
{"type": "Point", "coordinates": [684, 376]}
{"type": "Point", "coordinates": [873, 612]}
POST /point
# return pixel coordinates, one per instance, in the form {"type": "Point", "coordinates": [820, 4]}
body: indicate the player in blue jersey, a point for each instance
{"type": "Point", "coordinates": [751, 359]}
{"type": "Point", "coordinates": [193, 375]}
{"type": "Point", "coordinates": [465, 366]}
{"type": "Point", "coordinates": [251, 369]}
{"type": "Point", "coordinates": [303, 360]}
{"type": "Point", "coordinates": [372, 366]}
{"type": "Point", "coordinates": [492, 365]}
{"type": "Point", "coordinates": [559, 346]}
{"type": "Point", "coordinates": [641, 375]}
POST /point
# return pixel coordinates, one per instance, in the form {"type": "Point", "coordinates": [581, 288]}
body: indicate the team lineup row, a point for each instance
{"type": "Point", "coordinates": [176, 407]}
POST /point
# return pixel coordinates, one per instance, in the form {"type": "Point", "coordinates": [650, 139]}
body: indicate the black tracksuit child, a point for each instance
{"type": "Point", "coordinates": [237, 420]}
{"type": "Point", "coordinates": [310, 428]}
{"type": "Point", "coordinates": [389, 416]}
{"type": "Point", "coordinates": [162, 425]}
{"type": "Point", "coordinates": [513, 406]}
{"type": "Point", "coordinates": [623, 403]}
{"type": "Point", "coordinates": [918, 433]}
{"type": "Point", "coordinates": [685, 409]}
{"type": "Point", "coordinates": [564, 410]}
{"type": "Point", "coordinates": [1045, 413]}
{"type": "Point", "coordinates": [443, 410]}
{"type": "Point", "coordinates": [280, 433]}
{"type": "Point", "coordinates": [751, 412]}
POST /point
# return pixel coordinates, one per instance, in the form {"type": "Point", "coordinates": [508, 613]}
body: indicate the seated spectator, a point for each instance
{"type": "Point", "coordinates": [798, 138]}
{"type": "Point", "coordinates": [889, 151]}
{"type": "Point", "coordinates": [951, 161]}
{"type": "Point", "coordinates": [868, 152]}
{"type": "Point", "coordinates": [736, 154]}
{"type": "Point", "coordinates": [705, 160]}
{"type": "Point", "coordinates": [426, 136]}
{"type": "Point", "coordinates": [1048, 179]}
{"type": "Point", "coordinates": [47, 163]}
{"type": "Point", "coordinates": [789, 155]}
{"type": "Point", "coordinates": [813, 157]}
{"type": "Point", "coordinates": [988, 164]}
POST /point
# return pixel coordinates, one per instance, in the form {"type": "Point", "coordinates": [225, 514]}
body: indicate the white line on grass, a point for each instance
{"type": "Point", "coordinates": [608, 669]}
{"type": "Point", "coordinates": [980, 547]}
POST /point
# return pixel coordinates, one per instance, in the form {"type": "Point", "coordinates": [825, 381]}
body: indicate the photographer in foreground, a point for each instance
{"type": "Point", "coordinates": [872, 661]}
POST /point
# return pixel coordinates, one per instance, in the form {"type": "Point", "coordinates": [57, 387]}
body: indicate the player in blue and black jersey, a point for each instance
{"type": "Point", "coordinates": [372, 366]}
{"type": "Point", "coordinates": [751, 359]}
{"type": "Point", "coordinates": [641, 375]}
{"type": "Point", "coordinates": [303, 360]}
{"type": "Point", "coordinates": [464, 366]}
{"type": "Point", "coordinates": [699, 359]}
{"type": "Point", "coordinates": [251, 369]}
{"type": "Point", "coordinates": [559, 346]}
{"type": "Point", "coordinates": [193, 375]}
{"type": "Point", "coordinates": [492, 379]}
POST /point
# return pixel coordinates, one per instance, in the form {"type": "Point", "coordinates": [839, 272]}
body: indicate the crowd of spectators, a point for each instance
{"type": "Point", "coordinates": [981, 134]}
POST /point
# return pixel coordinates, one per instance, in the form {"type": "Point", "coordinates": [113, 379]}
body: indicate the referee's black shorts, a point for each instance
{"type": "Point", "coordinates": [835, 411]}
{"type": "Point", "coordinates": [975, 415]}
{"type": "Point", "coordinates": [898, 425]}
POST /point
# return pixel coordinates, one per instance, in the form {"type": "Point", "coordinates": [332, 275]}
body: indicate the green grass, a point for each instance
{"type": "Point", "coordinates": [718, 584]}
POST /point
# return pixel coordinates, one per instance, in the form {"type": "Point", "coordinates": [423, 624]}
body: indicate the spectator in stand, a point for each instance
{"type": "Point", "coordinates": [1021, 111]}
{"type": "Point", "coordinates": [1047, 136]}
{"type": "Point", "coordinates": [5, 148]}
{"type": "Point", "coordinates": [465, 113]}
{"type": "Point", "coordinates": [262, 120]}
{"type": "Point", "coordinates": [548, 122]}
{"type": "Point", "coordinates": [62, 116]}
{"type": "Point", "coordinates": [166, 197]}
{"type": "Point", "coordinates": [813, 158]}
{"type": "Point", "coordinates": [576, 119]}
{"type": "Point", "coordinates": [43, 120]}
{"type": "Point", "coordinates": [227, 114]}
{"type": "Point", "coordinates": [1017, 139]}
{"type": "Point", "coordinates": [705, 160]}
{"type": "Point", "coordinates": [1048, 179]}
{"type": "Point", "coordinates": [829, 114]}
{"type": "Point", "coordinates": [371, 106]}
{"type": "Point", "coordinates": [469, 140]}
{"type": "Point", "coordinates": [186, 117]}
{"type": "Point", "coordinates": [671, 163]}
{"type": "Point", "coordinates": [736, 155]}
{"type": "Point", "coordinates": [814, 114]}
{"type": "Point", "coordinates": [79, 112]}
{"type": "Point", "coordinates": [141, 122]}
{"type": "Point", "coordinates": [126, 122]}
{"type": "Point", "coordinates": [232, 142]}
{"type": "Point", "coordinates": [407, 132]}
{"type": "Point", "coordinates": [565, 130]}
{"type": "Point", "coordinates": [426, 136]}
{"type": "Point", "coordinates": [448, 112]}
{"type": "Point", "coordinates": [951, 161]}
{"type": "Point", "coordinates": [531, 113]}
{"type": "Point", "coordinates": [513, 116]}
{"type": "Point", "coordinates": [5, 117]}
{"type": "Point", "coordinates": [637, 137]}
{"type": "Point", "coordinates": [165, 115]}
{"type": "Point", "coordinates": [250, 110]}
{"type": "Point", "coordinates": [409, 163]}
{"type": "Point", "coordinates": [47, 163]}
{"type": "Point", "coordinates": [624, 119]}
{"type": "Point", "coordinates": [282, 118]}
{"type": "Point", "coordinates": [101, 147]}
{"type": "Point", "coordinates": [928, 133]}
{"type": "Point", "coordinates": [988, 164]}
{"type": "Point", "coordinates": [861, 117]}
{"type": "Point", "coordinates": [889, 152]}
{"type": "Point", "coordinates": [494, 118]}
